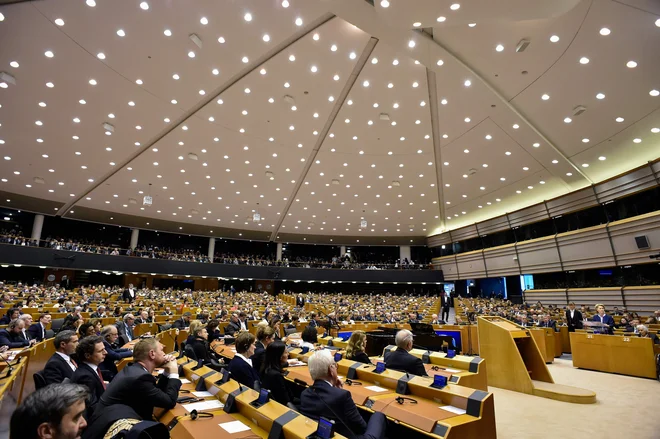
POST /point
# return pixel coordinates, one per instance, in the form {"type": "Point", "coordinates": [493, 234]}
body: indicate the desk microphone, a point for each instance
{"type": "Point", "coordinates": [10, 367]}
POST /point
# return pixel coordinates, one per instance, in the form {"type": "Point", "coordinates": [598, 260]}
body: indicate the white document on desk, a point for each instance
{"type": "Point", "coordinates": [184, 380]}
{"type": "Point", "coordinates": [451, 408]}
{"type": "Point", "coordinates": [204, 405]}
{"type": "Point", "coordinates": [202, 394]}
{"type": "Point", "coordinates": [234, 427]}
{"type": "Point", "coordinates": [296, 363]}
{"type": "Point", "coordinates": [452, 370]}
{"type": "Point", "coordinates": [376, 389]}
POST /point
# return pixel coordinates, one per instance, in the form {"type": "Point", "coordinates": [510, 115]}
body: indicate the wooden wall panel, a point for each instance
{"type": "Point", "coordinates": [610, 297]}
{"type": "Point", "coordinates": [502, 261]}
{"type": "Point", "coordinates": [623, 238]}
{"type": "Point", "coordinates": [644, 300]}
{"type": "Point", "coordinates": [448, 266]}
{"type": "Point", "coordinates": [585, 248]}
{"type": "Point", "coordinates": [539, 256]}
{"type": "Point", "coordinates": [471, 265]}
{"type": "Point", "coordinates": [546, 297]}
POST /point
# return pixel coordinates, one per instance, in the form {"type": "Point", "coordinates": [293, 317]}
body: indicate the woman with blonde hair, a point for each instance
{"type": "Point", "coordinates": [355, 349]}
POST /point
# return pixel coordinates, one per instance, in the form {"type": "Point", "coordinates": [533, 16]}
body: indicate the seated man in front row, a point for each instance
{"type": "Point", "coordinates": [326, 398]}
{"type": "Point", "coordinates": [400, 359]}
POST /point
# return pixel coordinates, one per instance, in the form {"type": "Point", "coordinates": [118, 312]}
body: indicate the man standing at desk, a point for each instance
{"type": "Point", "coordinates": [326, 398]}
{"type": "Point", "coordinates": [604, 318]}
{"type": "Point", "coordinates": [573, 318]}
{"type": "Point", "coordinates": [548, 323]}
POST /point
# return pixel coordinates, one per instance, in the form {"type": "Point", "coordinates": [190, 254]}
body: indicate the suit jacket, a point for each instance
{"type": "Point", "coordinates": [550, 324]}
{"type": "Point", "coordinates": [575, 322]}
{"type": "Point", "coordinates": [401, 360]}
{"type": "Point", "coordinates": [37, 332]}
{"type": "Point", "coordinates": [57, 369]}
{"type": "Point", "coordinates": [111, 356]}
{"type": "Point", "coordinates": [232, 328]}
{"type": "Point", "coordinates": [242, 372]}
{"type": "Point", "coordinates": [12, 340]}
{"type": "Point", "coordinates": [124, 332]}
{"type": "Point", "coordinates": [258, 357]}
{"type": "Point", "coordinates": [607, 319]}
{"type": "Point", "coordinates": [324, 400]}
{"type": "Point", "coordinates": [274, 381]}
{"type": "Point", "coordinates": [86, 376]}
{"type": "Point", "coordinates": [180, 324]}
{"type": "Point", "coordinates": [127, 295]}
{"type": "Point", "coordinates": [137, 388]}
{"type": "Point", "coordinates": [101, 420]}
{"type": "Point", "coordinates": [300, 302]}
{"type": "Point", "coordinates": [361, 357]}
{"type": "Point", "coordinates": [313, 323]}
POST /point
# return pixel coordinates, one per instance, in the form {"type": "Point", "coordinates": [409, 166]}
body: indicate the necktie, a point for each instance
{"type": "Point", "coordinates": [98, 371]}
{"type": "Point", "coordinates": [75, 366]}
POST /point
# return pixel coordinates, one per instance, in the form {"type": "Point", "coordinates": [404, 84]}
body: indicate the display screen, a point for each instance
{"type": "Point", "coordinates": [337, 356]}
{"type": "Point", "coordinates": [324, 430]}
{"type": "Point", "coordinates": [263, 396]}
{"type": "Point", "coordinates": [380, 367]}
{"type": "Point", "coordinates": [439, 381]}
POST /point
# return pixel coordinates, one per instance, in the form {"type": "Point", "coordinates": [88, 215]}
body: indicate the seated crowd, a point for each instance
{"type": "Point", "coordinates": [619, 321]}
{"type": "Point", "coordinates": [86, 352]}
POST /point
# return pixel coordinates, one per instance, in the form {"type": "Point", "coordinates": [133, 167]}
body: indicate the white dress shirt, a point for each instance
{"type": "Point", "coordinates": [68, 360]}
{"type": "Point", "coordinates": [247, 360]}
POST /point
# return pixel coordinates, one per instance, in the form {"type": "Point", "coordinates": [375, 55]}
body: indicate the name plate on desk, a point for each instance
{"type": "Point", "coordinates": [590, 336]}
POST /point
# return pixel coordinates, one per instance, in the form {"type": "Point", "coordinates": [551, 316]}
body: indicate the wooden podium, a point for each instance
{"type": "Point", "coordinates": [516, 363]}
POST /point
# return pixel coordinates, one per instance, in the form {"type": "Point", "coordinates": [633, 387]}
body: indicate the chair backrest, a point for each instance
{"type": "Point", "coordinates": [190, 353]}
{"type": "Point", "coordinates": [56, 324]}
{"type": "Point", "coordinates": [289, 331]}
{"type": "Point", "coordinates": [39, 380]}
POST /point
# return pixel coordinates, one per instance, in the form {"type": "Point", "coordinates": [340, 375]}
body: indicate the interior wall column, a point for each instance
{"type": "Point", "coordinates": [279, 251]}
{"type": "Point", "coordinates": [404, 253]}
{"type": "Point", "coordinates": [211, 252]}
{"type": "Point", "coordinates": [134, 238]}
{"type": "Point", "coordinates": [37, 225]}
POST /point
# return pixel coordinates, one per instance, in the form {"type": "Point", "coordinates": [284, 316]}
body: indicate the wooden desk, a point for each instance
{"type": "Point", "coordinates": [612, 353]}
{"type": "Point", "coordinates": [544, 339]}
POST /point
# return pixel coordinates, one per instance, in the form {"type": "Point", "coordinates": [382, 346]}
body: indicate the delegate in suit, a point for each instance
{"type": "Point", "coordinates": [400, 359]}
{"type": "Point", "coordinates": [110, 336]}
{"type": "Point", "coordinates": [573, 318]}
{"type": "Point", "coordinates": [327, 398]}
{"type": "Point", "coordinates": [136, 387]}
{"type": "Point", "coordinates": [60, 365]}
{"type": "Point", "coordinates": [90, 353]}
{"type": "Point", "coordinates": [604, 318]}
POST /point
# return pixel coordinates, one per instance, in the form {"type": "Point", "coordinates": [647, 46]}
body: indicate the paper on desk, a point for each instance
{"type": "Point", "coordinates": [451, 408]}
{"type": "Point", "coordinates": [376, 389]}
{"type": "Point", "coordinates": [184, 380]}
{"type": "Point", "coordinates": [234, 427]}
{"type": "Point", "coordinates": [202, 394]}
{"type": "Point", "coordinates": [204, 405]}
{"type": "Point", "coordinates": [296, 363]}
{"type": "Point", "coordinates": [452, 370]}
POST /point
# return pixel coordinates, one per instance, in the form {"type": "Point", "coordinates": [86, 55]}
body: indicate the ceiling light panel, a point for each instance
{"type": "Point", "coordinates": [59, 137]}
{"type": "Point", "coordinates": [146, 52]}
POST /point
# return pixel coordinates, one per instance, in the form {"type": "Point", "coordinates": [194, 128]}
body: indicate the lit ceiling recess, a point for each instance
{"type": "Point", "coordinates": [316, 135]}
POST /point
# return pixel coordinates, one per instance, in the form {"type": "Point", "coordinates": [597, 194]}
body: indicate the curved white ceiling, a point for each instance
{"type": "Point", "coordinates": [321, 114]}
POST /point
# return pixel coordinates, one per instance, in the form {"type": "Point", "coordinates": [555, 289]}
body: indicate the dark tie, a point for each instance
{"type": "Point", "coordinates": [98, 371]}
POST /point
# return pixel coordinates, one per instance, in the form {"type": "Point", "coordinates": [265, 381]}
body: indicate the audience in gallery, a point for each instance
{"type": "Point", "coordinates": [347, 261]}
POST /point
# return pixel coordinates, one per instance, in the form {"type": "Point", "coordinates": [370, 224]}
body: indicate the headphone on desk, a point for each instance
{"type": "Point", "coordinates": [194, 415]}
{"type": "Point", "coordinates": [402, 399]}
{"type": "Point", "coordinates": [350, 382]}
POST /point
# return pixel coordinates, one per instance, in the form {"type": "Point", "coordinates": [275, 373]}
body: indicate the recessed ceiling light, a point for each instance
{"type": "Point", "coordinates": [221, 40]}
{"type": "Point", "coordinates": [121, 33]}
{"type": "Point", "coordinates": [92, 82]}
{"type": "Point", "coordinates": [545, 97]}
{"type": "Point", "coordinates": [467, 120]}
{"type": "Point", "coordinates": [602, 158]}
{"type": "Point", "coordinates": [499, 48]}
{"type": "Point", "coordinates": [554, 38]}
{"type": "Point", "coordinates": [657, 22]}
{"type": "Point", "coordinates": [654, 93]}
{"type": "Point", "coordinates": [472, 24]}
{"type": "Point", "coordinates": [59, 22]}
{"type": "Point", "coordinates": [49, 54]}
{"type": "Point", "coordinates": [191, 54]}
{"type": "Point", "coordinates": [655, 130]}
{"type": "Point", "coordinates": [584, 60]}
{"type": "Point", "coordinates": [365, 84]}
{"type": "Point", "coordinates": [417, 24]}
{"type": "Point", "coordinates": [266, 38]}
{"type": "Point", "coordinates": [245, 59]}
{"type": "Point", "coordinates": [467, 83]}
{"type": "Point", "coordinates": [455, 7]}
{"type": "Point", "coordinates": [525, 168]}
{"type": "Point", "coordinates": [100, 55]}
{"type": "Point", "coordinates": [374, 60]}
{"type": "Point", "coordinates": [299, 21]}
{"type": "Point", "coordinates": [536, 145]}
{"type": "Point", "coordinates": [90, 3]}
{"type": "Point", "coordinates": [144, 6]}
{"type": "Point", "coordinates": [515, 126]}
{"type": "Point", "coordinates": [631, 64]}
{"type": "Point", "coordinates": [585, 140]}
{"type": "Point", "coordinates": [411, 43]}
{"type": "Point", "coordinates": [605, 31]}
{"type": "Point", "coordinates": [204, 21]}
{"type": "Point", "coordinates": [568, 120]}
{"type": "Point", "coordinates": [42, 104]}
{"type": "Point", "coordinates": [385, 4]}
{"type": "Point", "coordinates": [352, 55]}
{"type": "Point", "coordinates": [600, 96]}
{"type": "Point", "coordinates": [637, 140]}
{"type": "Point", "coordinates": [313, 69]}
{"type": "Point", "coordinates": [619, 119]}
{"type": "Point", "coordinates": [554, 162]}
{"type": "Point", "coordinates": [585, 165]}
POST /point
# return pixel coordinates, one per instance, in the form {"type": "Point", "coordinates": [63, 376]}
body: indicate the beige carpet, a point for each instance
{"type": "Point", "coordinates": [627, 407]}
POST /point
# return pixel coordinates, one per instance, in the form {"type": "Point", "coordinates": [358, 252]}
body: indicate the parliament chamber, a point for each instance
{"type": "Point", "coordinates": [296, 219]}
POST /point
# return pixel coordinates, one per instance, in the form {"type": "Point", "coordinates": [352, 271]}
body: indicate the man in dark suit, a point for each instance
{"type": "Point", "coordinates": [435, 321]}
{"type": "Point", "coordinates": [12, 314]}
{"type": "Point", "coordinates": [400, 359]}
{"type": "Point", "coordinates": [99, 313]}
{"type": "Point", "coordinates": [604, 318]}
{"type": "Point", "coordinates": [300, 301]}
{"type": "Point", "coordinates": [13, 335]}
{"type": "Point", "coordinates": [548, 323]}
{"type": "Point", "coordinates": [412, 318]}
{"type": "Point", "coordinates": [573, 318]}
{"type": "Point", "coordinates": [38, 330]}
{"type": "Point", "coordinates": [90, 353]}
{"type": "Point", "coordinates": [326, 398]}
{"type": "Point", "coordinates": [234, 325]}
{"type": "Point", "coordinates": [113, 353]}
{"type": "Point", "coordinates": [388, 318]}
{"type": "Point", "coordinates": [136, 387]}
{"type": "Point", "coordinates": [445, 302]}
{"type": "Point", "coordinates": [183, 322]}
{"type": "Point", "coordinates": [312, 320]}
{"type": "Point", "coordinates": [129, 294]}
{"type": "Point", "coordinates": [60, 365]}
{"type": "Point", "coordinates": [125, 329]}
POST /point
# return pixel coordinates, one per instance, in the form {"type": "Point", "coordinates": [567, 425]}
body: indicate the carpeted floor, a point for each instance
{"type": "Point", "coordinates": [627, 407]}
